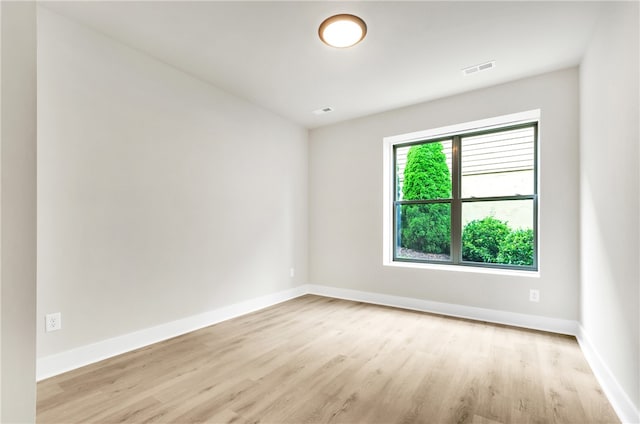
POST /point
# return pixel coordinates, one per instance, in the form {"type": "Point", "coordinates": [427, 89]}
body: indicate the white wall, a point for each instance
{"type": "Point", "coordinates": [0, 210]}
{"type": "Point", "coordinates": [346, 201]}
{"type": "Point", "coordinates": [609, 188]}
{"type": "Point", "coordinates": [160, 197]}
{"type": "Point", "coordinates": [18, 211]}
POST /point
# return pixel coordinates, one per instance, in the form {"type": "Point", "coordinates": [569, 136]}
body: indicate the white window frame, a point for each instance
{"type": "Point", "coordinates": [388, 187]}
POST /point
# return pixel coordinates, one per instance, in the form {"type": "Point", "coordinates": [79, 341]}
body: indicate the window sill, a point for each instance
{"type": "Point", "coordinates": [459, 268]}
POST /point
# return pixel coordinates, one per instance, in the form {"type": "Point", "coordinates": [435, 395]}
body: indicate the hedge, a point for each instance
{"type": "Point", "coordinates": [490, 240]}
{"type": "Point", "coordinates": [481, 239]}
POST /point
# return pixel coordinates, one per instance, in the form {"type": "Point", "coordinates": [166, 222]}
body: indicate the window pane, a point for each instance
{"type": "Point", "coordinates": [423, 171]}
{"type": "Point", "coordinates": [498, 232]}
{"type": "Point", "coordinates": [423, 232]}
{"type": "Point", "coordinates": [498, 164]}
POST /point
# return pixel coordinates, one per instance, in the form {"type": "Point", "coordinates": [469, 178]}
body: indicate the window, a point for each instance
{"type": "Point", "coordinates": [464, 195]}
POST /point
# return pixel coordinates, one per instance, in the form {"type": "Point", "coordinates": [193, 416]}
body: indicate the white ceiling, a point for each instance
{"type": "Point", "coordinates": [269, 52]}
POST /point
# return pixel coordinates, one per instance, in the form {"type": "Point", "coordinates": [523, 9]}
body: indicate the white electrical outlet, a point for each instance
{"type": "Point", "coordinates": [53, 322]}
{"type": "Point", "coordinates": [534, 295]}
{"type": "Point", "coordinates": [292, 272]}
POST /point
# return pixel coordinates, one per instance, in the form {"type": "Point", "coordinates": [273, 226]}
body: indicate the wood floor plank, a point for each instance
{"type": "Point", "coordinates": [321, 360]}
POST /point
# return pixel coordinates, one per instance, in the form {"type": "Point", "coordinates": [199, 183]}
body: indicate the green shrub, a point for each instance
{"type": "Point", "coordinates": [481, 239]}
{"type": "Point", "coordinates": [426, 228]}
{"type": "Point", "coordinates": [426, 174]}
{"type": "Point", "coordinates": [517, 248]}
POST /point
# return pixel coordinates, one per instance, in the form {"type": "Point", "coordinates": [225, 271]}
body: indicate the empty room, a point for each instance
{"type": "Point", "coordinates": [320, 212]}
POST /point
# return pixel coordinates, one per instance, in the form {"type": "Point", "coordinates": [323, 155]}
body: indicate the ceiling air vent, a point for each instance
{"type": "Point", "coordinates": [323, 110]}
{"type": "Point", "coordinates": [477, 68]}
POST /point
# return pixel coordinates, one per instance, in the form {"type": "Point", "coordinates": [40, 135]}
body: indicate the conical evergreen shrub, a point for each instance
{"type": "Point", "coordinates": [426, 228]}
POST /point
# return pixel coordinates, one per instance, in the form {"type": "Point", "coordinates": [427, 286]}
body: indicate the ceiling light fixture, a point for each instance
{"type": "Point", "coordinates": [342, 31]}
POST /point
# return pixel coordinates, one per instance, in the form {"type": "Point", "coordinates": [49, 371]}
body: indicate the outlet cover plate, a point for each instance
{"type": "Point", "coordinates": [53, 322]}
{"type": "Point", "coordinates": [534, 295]}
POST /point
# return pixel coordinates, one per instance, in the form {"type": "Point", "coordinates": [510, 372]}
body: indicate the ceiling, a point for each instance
{"type": "Point", "coordinates": [269, 52]}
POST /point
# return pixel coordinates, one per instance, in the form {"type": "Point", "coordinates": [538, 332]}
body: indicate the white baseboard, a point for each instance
{"type": "Point", "coordinates": [66, 361]}
{"type": "Point", "coordinates": [534, 322]}
{"type": "Point", "coordinates": [52, 365]}
{"type": "Point", "coordinates": [618, 398]}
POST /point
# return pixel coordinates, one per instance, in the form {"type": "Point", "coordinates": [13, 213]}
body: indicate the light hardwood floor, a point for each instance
{"type": "Point", "coordinates": [319, 360]}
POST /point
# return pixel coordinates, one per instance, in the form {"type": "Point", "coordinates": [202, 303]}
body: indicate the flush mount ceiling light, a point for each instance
{"type": "Point", "coordinates": [342, 30]}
